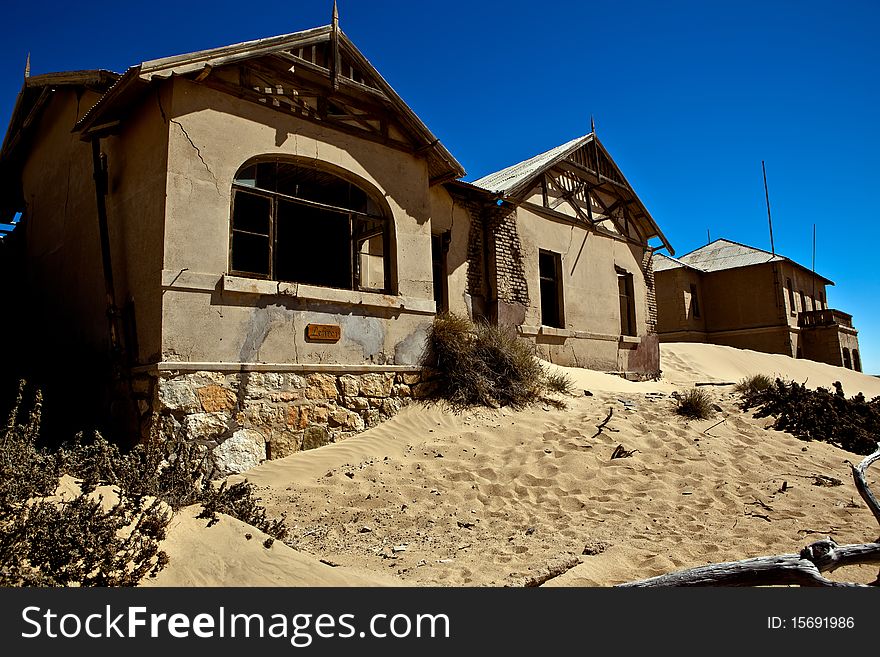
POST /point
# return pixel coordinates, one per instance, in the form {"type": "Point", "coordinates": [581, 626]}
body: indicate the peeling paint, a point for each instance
{"type": "Point", "coordinates": [409, 350]}
{"type": "Point", "coordinates": [259, 327]}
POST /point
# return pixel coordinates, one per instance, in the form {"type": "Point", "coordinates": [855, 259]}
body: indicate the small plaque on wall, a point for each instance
{"type": "Point", "coordinates": [323, 332]}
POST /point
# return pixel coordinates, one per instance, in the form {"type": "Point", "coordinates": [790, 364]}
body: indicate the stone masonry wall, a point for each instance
{"type": "Point", "coordinates": [247, 417]}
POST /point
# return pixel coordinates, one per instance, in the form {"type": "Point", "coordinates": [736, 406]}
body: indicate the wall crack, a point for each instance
{"type": "Point", "coordinates": [198, 152]}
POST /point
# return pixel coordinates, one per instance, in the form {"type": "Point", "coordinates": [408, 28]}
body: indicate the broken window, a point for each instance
{"type": "Point", "coordinates": [627, 302]}
{"type": "Point", "coordinates": [803, 301]}
{"type": "Point", "coordinates": [857, 361]}
{"type": "Point", "coordinates": [847, 363]}
{"type": "Point", "coordinates": [304, 225]}
{"type": "Point", "coordinates": [790, 296]}
{"type": "Point", "coordinates": [549, 268]}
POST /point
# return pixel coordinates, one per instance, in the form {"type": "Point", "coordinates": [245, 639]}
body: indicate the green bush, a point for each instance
{"type": "Point", "coordinates": [479, 364]}
{"type": "Point", "coordinates": [695, 403]}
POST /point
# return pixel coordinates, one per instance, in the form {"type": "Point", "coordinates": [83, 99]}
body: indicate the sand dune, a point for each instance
{"type": "Point", "coordinates": [496, 497]}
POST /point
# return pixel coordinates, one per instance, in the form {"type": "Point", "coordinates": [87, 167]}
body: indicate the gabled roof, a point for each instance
{"type": "Point", "coordinates": [521, 177]}
{"type": "Point", "coordinates": [505, 181]}
{"type": "Point", "coordinates": [357, 77]}
{"type": "Point", "coordinates": [36, 93]}
{"type": "Point", "coordinates": [664, 262]}
{"type": "Point", "coordinates": [724, 254]}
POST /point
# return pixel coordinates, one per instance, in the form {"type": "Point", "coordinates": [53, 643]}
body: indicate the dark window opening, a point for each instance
{"type": "Point", "coordinates": [303, 225]}
{"type": "Point", "coordinates": [800, 353]}
{"type": "Point", "coordinates": [803, 301]}
{"type": "Point", "coordinates": [857, 361]}
{"type": "Point", "coordinates": [627, 302]}
{"type": "Point", "coordinates": [439, 250]}
{"type": "Point", "coordinates": [847, 363]}
{"type": "Point", "coordinates": [790, 296]}
{"type": "Point", "coordinates": [549, 267]}
{"type": "Point", "coordinates": [695, 302]}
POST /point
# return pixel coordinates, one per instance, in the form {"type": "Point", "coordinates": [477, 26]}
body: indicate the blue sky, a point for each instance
{"type": "Point", "coordinates": [688, 97]}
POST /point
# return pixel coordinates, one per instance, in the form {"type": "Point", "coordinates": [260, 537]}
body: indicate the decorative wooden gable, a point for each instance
{"type": "Point", "coordinates": [297, 82]}
{"type": "Point", "coordinates": [317, 75]}
{"type": "Point", "coordinates": [586, 186]}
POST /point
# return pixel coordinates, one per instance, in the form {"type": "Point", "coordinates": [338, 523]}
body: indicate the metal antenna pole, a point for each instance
{"type": "Point", "coordinates": [769, 218]}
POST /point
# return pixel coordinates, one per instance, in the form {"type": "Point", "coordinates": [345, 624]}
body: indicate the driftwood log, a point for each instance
{"type": "Point", "coordinates": [804, 569]}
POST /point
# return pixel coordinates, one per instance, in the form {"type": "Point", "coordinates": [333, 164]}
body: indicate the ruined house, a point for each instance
{"type": "Point", "coordinates": [732, 294]}
{"type": "Point", "coordinates": [254, 240]}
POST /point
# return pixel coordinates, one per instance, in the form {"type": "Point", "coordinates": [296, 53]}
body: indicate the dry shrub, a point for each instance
{"type": "Point", "coordinates": [850, 423]}
{"type": "Point", "coordinates": [559, 382]}
{"type": "Point", "coordinates": [478, 364]}
{"type": "Point", "coordinates": [45, 542]}
{"type": "Point", "coordinates": [695, 404]}
{"type": "Point", "coordinates": [753, 385]}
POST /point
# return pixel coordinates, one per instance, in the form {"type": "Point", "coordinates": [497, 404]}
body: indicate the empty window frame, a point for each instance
{"type": "Point", "coordinates": [803, 301]}
{"type": "Point", "coordinates": [549, 273]}
{"type": "Point", "coordinates": [439, 250]}
{"type": "Point", "coordinates": [856, 360]}
{"type": "Point", "coordinates": [847, 363]}
{"type": "Point", "coordinates": [790, 296]}
{"type": "Point", "coordinates": [627, 302]}
{"type": "Point", "coordinates": [305, 225]}
{"type": "Point", "coordinates": [695, 302]}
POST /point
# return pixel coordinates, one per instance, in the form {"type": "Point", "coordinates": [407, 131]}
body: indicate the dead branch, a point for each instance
{"type": "Point", "coordinates": [706, 431]}
{"type": "Point", "coordinates": [802, 569]}
{"type": "Point", "coordinates": [602, 424]}
{"type": "Point", "coordinates": [622, 453]}
{"type": "Point", "coordinates": [862, 484]}
{"type": "Point", "coordinates": [552, 571]}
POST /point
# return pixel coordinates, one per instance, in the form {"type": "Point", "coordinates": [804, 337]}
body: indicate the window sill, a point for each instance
{"type": "Point", "coordinates": [630, 339]}
{"type": "Point", "coordinates": [242, 285]}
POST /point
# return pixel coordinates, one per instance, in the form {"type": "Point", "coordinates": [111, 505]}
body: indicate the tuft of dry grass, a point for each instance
{"type": "Point", "coordinates": [695, 404]}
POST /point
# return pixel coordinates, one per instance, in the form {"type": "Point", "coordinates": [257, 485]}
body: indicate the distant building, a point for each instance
{"type": "Point", "coordinates": [736, 295]}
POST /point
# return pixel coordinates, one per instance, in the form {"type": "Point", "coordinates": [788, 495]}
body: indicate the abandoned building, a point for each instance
{"type": "Point", "coordinates": [256, 238]}
{"type": "Point", "coordinates": [731, 294]}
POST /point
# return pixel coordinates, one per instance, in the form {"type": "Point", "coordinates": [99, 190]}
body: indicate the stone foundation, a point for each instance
{"type": "Point", "coordinates": [245, 418]}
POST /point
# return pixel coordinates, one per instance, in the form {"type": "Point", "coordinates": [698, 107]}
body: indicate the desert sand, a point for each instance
{"type": "Point", "coordinates": [500, 497]}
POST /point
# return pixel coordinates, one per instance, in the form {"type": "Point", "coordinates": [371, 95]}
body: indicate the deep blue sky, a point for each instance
{"type": "Point", "coordinates": [688, 97]}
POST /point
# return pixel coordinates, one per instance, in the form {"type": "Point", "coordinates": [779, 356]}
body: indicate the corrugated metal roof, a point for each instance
{"type": "Point", "coordinates": [502, 181]}
{"type": "Point", "coordinates": [664, 262]}
{"type": "Point", "coordinates": [723, 254]}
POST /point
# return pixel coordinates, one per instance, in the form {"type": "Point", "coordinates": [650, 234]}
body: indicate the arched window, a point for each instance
{"type": "Point", "coordinates": [846, 361]}
{"type": "Point", "coordinates": [304, 225]}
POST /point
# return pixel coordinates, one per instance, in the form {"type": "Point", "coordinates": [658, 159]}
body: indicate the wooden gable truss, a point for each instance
{"type": "Point", "coordinates": [317, 75]}
{"type": "Point", "coordinates": [587, 188]}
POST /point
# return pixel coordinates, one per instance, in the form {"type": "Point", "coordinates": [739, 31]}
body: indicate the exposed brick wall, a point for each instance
{"type": "Point", "coordinates": [651, 296]}
{"type": "Point", "coordinates": [511, 285]}
{"type": "Point", "coordinates": [475, 250]}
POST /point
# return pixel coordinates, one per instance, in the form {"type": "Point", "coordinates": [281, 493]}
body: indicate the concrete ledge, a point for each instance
{"type": "Point", "coordinates": [243, 285]}
{"type": "Point", "coordinates": [186, 366]}
{"type": "Point", "coordinates": [532, 331]}
{"type": "Point", "coordinates": [630, 339]}
{"type": "Point", "coordinates": [202, 282]}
